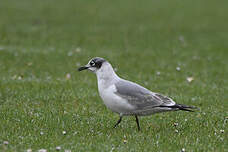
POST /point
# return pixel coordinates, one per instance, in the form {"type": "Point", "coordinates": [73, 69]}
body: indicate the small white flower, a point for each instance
{"type": "Point", "coordinates": [178, 68]}
{"type": "Point", "coordinates": [41, 133]}
{"type": "Point", "coordinates": [75, 133]}
{"type": "Point", "coordinates": [42, 150]}
{"type": "Point", "coordinates": [64, 132]}
{"type": "Point", "coordinates": [183, 150]}
{"type": "Point", "coordinates": [158, 73]}
{"type": "Point", "coordinates": [19, 77]}
{"type": "Point", "coordinates": [29, 150]}
{"type": "Point", "coordinates": [5, 142]}
{"type": "Point", "coordinates": [58, 148]}
{"type": "Point", "coordinates": [175, 124]}
{"type": "Point", "coordinates": [222, 131]}
{"type": "Point", "coordinates": [78, 50]}
{"type": "Point", "coordinates": [176, 131]}
{"type": "Point", "coordinates": [68, 76]}
{"type": "Point", "coordinates": [193, 99]}
{"type": "Point", "coordinates": [112, 149]}
{"type": "Point", "coordinates": [189, 79]}
{"type": "Point", "coordinates": [124, 141]}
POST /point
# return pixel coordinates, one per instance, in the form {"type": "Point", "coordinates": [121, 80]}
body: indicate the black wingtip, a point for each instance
{"type": "Point", "coordinates": [185, 107]}
{"type": "Point", "coordinates": [181, 107]}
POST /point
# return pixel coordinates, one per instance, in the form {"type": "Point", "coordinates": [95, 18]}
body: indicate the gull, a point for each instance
{"type": "Point", "coordinates": [128, 98]}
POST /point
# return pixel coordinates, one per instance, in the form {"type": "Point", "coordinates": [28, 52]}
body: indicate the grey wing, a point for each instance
{"type": "Point", "coordinates": [141, 97]}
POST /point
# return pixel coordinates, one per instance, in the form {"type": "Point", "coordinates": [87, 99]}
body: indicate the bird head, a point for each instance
{"type": "Point", "coordinates": [93, 65]}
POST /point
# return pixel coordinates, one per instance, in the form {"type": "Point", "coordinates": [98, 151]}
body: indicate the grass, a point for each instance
{"type": "Point", "coordinates": [43, 42]}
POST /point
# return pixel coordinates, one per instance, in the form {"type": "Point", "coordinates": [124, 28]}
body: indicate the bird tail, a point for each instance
{"type": "Point", "coordinates": [184, 107]}
{"type": "Point", "coordinates": [181, 107]}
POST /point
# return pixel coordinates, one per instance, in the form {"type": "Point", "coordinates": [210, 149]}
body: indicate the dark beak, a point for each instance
{"type": "Point", "coordinates": [83, 68]}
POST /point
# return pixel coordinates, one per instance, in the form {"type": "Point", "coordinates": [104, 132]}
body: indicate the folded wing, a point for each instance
{"type": "Point", "coordinates": [141, 97]}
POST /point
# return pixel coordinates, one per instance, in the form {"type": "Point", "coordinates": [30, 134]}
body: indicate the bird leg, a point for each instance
{"type": "Point", "coordinates": [118, 122]}
{"type": "Point", "coordinates": [137, 121]}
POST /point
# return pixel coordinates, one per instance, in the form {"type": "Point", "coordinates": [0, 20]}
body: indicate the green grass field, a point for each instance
{"type": "Point", "coordinates": [42, 94]}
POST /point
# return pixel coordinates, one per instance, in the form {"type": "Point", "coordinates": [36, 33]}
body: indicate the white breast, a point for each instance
{"type": "Point", "coordinates": [113, 101]}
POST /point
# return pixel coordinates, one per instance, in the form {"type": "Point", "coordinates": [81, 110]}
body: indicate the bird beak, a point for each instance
{"type": "Point", "coordinates": [83, 68]}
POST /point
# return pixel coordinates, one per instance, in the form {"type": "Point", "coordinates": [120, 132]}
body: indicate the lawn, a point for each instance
{"type": "Point", "coordinates": [46, 103]}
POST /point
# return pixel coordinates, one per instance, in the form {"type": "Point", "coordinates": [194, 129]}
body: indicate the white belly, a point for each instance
{"type": "Point", "coordinates": [113, 101]}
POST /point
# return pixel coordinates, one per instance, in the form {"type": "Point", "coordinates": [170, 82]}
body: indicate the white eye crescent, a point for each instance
{"type": "Point", "coordinates": [92, 63]}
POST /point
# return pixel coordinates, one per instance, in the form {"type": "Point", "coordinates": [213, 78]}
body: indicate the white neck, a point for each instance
{"type": "Point", "coordinates": [106, 76]}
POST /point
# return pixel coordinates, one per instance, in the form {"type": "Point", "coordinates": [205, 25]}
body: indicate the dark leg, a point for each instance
{"type": "Point", "coordinates": [137, 121]}
{"type": "Point", "coordinates": [118, 122]}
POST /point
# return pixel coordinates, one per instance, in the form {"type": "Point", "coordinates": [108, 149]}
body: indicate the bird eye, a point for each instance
{"type": "Point", "coordinates": [92, 63]}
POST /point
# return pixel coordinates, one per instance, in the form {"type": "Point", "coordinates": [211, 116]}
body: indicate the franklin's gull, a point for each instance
{"type": "Point", "coordinates": [128, 98]}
